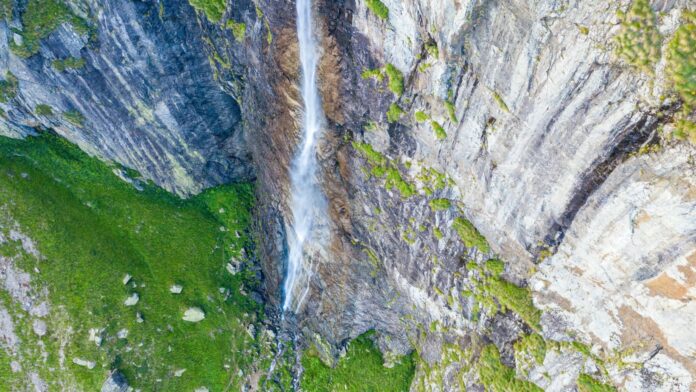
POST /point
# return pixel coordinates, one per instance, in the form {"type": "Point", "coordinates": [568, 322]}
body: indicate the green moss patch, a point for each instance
{"type": "Point", "coordinates": [681, 70]}
{"type": "Point", "coordinates": [515, 298]}
{"type": "Point", "coordinates": [74, 117]}
{"type": "Point", "coordinates": [40, 19]}
{"type": "Point", "coordinates": [378, 8]}
{"type": "Point", "coordinates": [394, 180]}
{"type": "Point", "coordinates": [360, 370]}
{"type": "Point", "coordinates": [469, 235]}
{"type": "Point", "coordinates": [377, 74]}
{"type": "Point", "coordinates": [68, 63]}
{"type": "Point", "coordinates": [238, 30]}
{"type": "Point", "coordinates": [92, 229]}
{"type": "Point", "coordinates": [495, 267]}
{"type": "Point", "coordinates": [681, 59]}
{"type": "Point", "coordinates": [449, 106]}
{"type": "Point", "coordinates": [420, 116]}
{"type": "Point", "coordinates": [381, 167]}
{"type": "Point", "coordinates": [501, 103]}
{"type": "Point", "coordinates": [530, 350]}
{"type": "Point", "coordinates": [433, 51]}
{"type": "Point", "coordinates": [440, 204]}
{"type": "Point", "coordinates": [213, 9]}
{"type": "Point", "coordinates": [440, 133]}
{"type": "Point", "coordinates": [394, 113]}
{"type": "Point", "coordinates": [8, 87]}
{"type": "Point", "coordinates": [639, 41]}
{"type": "Point", "coordinates": [497, 377]}
{"type": "Point", "coordinates": [6, 9]}
{"type": "Point", "coordinates": [43, 110]}
{"type": "Point", "coordinates": [372, 156]}
{"type": "Point", "coordinates": [396, 79]}
{"type": "Point", "coordinates": [588, 384]}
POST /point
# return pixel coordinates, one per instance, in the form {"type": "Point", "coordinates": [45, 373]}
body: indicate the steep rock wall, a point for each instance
{"type": "Point", "coordinates": [541, 128]}
{"type": "Point", "coordinates": [146, 92]}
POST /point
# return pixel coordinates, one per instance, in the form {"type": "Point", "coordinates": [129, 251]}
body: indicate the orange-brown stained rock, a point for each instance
{"type": "Point", "coordinates": [330, 79]}
{"type": "Point", "coordinates": [640, 331]}
{"type": "Point", "coordinates": [665, 286]}
{"type": "Point", "coordinates": [689, 270]}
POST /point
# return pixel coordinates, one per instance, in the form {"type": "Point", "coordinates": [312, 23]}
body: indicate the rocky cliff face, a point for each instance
{"type": "Point", "coordinates": [517, 121]}
{"type": "Point", "coordinates": [127, 81]}
{"type": "Point", "coordinates": [504, 196]}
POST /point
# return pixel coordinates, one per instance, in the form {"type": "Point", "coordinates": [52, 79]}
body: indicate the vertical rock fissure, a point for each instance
{"type": "Point", "coordinates": [307, 201]}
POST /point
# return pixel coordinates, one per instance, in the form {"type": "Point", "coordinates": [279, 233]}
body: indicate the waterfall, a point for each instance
{"type": "Point", "coordinates": [307, 202]}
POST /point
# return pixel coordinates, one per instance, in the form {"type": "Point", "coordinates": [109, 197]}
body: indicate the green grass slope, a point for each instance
{"type": "Point", "coordinates": [92, 229]}
{"type": "Point", "coordinates": [361, 370]}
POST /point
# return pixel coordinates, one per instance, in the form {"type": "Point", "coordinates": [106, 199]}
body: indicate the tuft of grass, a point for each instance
{"type": "Point", "coordinates": [685, 129]}
{"type": "Point", "coordinates": [394, 113]}
{"type": "Point", "coordinates": [440, 133]}
{"type": "Point", "coordinates": [495, 267]}
{"type": "Point", "coordinates": [681, 59]}
{"type": "Point", "coordinates": [382, 167]}
{"type": "Point", "coordinates": [6, 9]}
{"type": "Point", "coordinates": [440, 204]}
{"type": "Point", "coordinates": [438, 233]}
{"type": "Point", "coordinates": [213, 9]}
{"type": "Point", "coordinates": [238, 30]}
{"type": "Point", "coordinates": [41, 18]}
{"type": "Point", "coordinates": [639, 41]}
{"type": "Point", "coordinates": [681, 71]}
{"type": "Point", "coordinates": [378, 8]}
{"type": "Point", "coordinates": [395, 181]}
{"type": "Point", "coordinates": [69, 63]}
{"type": "Point", "coordinates": [469, 235]}
{"type": "Point", "coordinates": [377, 74]}
{"type": "Point", "coordinates": [496, 377]}
{"type": "Point", "coordinates": [517, 299]}
{"type": "Point", "coordinates": [586, 383]}
{"type": "Point", "coordinates": [43, 110]}
{"type": "Point", "coordinates": [432, 50]}
{"type": "Point", "coordinates": [374, 157]}
{"type": "Point", "coordinates": [74, 117]}
{"type": "Point", "coordinates": [8, 87]}
{"type": "Point", "coordinates": [362, 369]}
{"type": "Point", "coordinates": [396, 79]}
{"type": "Point", "coordinates": [529, 350]}
{"type": "Point", "coordinates": [93, 228]}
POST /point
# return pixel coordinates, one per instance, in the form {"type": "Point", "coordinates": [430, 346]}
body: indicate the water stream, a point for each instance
{"type": "Point", "coordinates": [307, 201]}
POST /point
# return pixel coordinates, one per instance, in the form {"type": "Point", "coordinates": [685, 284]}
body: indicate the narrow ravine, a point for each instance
{"type": "Point", "coordinates": [307, 200]}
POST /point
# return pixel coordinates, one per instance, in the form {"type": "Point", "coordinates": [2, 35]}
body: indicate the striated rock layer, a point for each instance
{"type": "Point", "coordinates": [146, 93]}
{"type": "Point", "coordinates": [546, 151]}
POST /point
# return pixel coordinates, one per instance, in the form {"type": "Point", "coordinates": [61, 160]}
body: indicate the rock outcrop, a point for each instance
{"type": "Point", "coordinates": [138, 89]}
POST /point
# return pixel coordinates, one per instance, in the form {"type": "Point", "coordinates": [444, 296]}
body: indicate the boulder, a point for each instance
{"type": "Point", "coordinates": [85, 363]}
{"type": "Point", "coordinates": [176, 289]}
{"type": "Point", "coordinates": [116, 382]}
{"type": "Point", "coordinates": [132, 300]}
{"type": "Point", "coordinates": [39, 327]}
{"type": "Point", "coordinates": [193, 315]}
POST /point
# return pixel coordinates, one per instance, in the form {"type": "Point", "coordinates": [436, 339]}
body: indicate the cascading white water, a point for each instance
{"type": "Point", "coordinates": [307, 200]}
